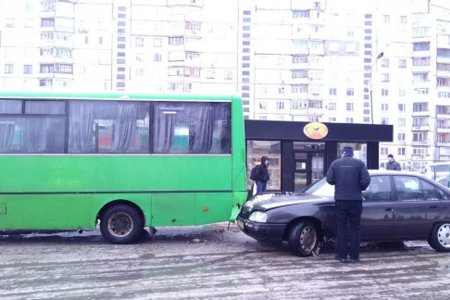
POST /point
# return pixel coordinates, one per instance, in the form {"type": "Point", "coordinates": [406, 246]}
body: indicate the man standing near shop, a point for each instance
{"type": "Point", "coordinates": [350, 177]}
{"type": "Point", "coordinates": [392, 164]}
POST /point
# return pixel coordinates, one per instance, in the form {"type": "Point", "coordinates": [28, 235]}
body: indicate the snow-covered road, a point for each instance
{"type": "Point", "coordinates": [211, 262]}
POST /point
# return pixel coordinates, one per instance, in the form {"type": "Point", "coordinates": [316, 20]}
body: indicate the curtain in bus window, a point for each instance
{"type": "Point", "coordinates": [81, 127]}
{"type": "Point", "coordinates": [189, 127]}
{"type": "Point", "coordinates": [10, 107]}
{"type": "Point", "coordinates": [109, 127]}
{"type": "Point", "coordinates": [125, 129]}
{"type": "Point", "coordinates": [45, 107]}
{"type": "Point", "coordinates": [221, 140]}
{"type": "Point", "coordinates": [32, 134]}
{"type": "Point", "coordinates": [6, 135]}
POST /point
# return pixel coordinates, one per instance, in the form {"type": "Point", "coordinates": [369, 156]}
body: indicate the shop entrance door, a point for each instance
{"type": "Point", "coordinates": [308, 168]}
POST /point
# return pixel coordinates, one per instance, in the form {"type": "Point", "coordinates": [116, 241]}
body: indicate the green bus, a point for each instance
{"type": "Point", "coordinates": [119, 161]}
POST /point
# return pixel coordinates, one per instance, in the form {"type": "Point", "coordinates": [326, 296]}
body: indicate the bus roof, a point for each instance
{"type": "Point", "coordinates": [55, 95]}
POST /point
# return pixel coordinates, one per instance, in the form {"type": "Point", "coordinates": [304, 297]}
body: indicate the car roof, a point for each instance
{"type": "Point", "coordinates": [392, 172]}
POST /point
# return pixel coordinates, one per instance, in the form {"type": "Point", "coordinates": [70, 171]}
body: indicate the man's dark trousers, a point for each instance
{"type": "Point", "coordinates": [348, 220]}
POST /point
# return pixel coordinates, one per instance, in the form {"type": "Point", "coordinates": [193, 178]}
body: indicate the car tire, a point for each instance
{"type": "Point", "coordinates": [121, 224]}
{"type": "Point", "coordinates": [439, 238]}
{"type": "Point", "coordinates": [304, 238]}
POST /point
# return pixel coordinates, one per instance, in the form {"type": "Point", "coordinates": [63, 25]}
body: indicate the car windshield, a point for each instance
{"type": "Point", "coordinates": [320, 188]}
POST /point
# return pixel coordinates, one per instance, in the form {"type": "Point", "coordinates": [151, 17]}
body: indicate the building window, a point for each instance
{"type": "Point", "coordinates": [402, 63]}
{"type": "Point", "coordinates": [422, 91]}
{"type": "Point", "coordinates": [301, 73]}
{"type": "Point", "coordinates": [384, 150]}
{"type": "Point", "coordinates": [157, 57]}
{"type": "Point", "coordinates": [299, 88]}
{"type": "Point", "coordinates": [421, 61]}
{"type": "Point", "coordinates": [299, 104]}
{"type": "Point", "coordinates": [419, 107]}
{"type": "Point", "coordinates": [9, 68]}
{"type": "Point", "coordinates": [47, 22]}
{"type": "Point", "coordinates": [139, 41]}
{"type": "Point", "coordinates": [403, 19]}
{"type": "Point", "coordinates": [46, 82]}
{"type": "Point", "coordinates": [176, 40]}
{"type": "Point", "coordinates": [348, 120]}
{"type": "Point", "coordinates": [385, 77]}
{"type": "Point", "coordinates": [387, 19]}
{"type": "Point", "coordinates": [401, 151]}
{"type": "Point", "coordinates": [350, 92]}
{"type": "Point", "coordinates": [401, 137]}
{"type": "Point", "coordinates": [332, 91]}
{"type": "Point", "coordinates": [401, 92]}
{"type": "Point", "coordinates": [401, 107]}
{"type": "Point", "coordinates": [349, 106]}
{"type": "Point", "coordinates": [421, 46]}
{"type": "Point", "coordinates": [384, 121]}
{"type": "Point", "coordinates": [384, 106]}
{"type": "Point", "coordinates": [384, 92]}
{"type": "Point", "coordinates": [299, 59]}
{"type": "Point", "coordinates": [263, 105]}
{"type": "Point", "coordinates": [332, 106]}
{"type": "Point", "coordinates": [385, 63]}
{"type": "Point", "coordinates": [280, 105]}
{"type": "Point", "coordinates": [401, 122]}
{"type": "Point", "coordinates": [27, 69]}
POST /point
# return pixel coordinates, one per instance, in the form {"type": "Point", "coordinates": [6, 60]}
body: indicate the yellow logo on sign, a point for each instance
{"type": "Point", "coordinates": [315, 130]}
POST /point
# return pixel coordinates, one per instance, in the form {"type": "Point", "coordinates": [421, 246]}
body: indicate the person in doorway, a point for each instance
{"type": "Point", "coordinates": [392, 164]}
{"type": "Point", "coordinates": [350, 177]}
{"type": "Point", "coordinates": [260, 174]}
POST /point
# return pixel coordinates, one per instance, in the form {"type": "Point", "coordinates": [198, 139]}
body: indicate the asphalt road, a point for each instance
{"type": "Point", "coordinates": [214, 263]}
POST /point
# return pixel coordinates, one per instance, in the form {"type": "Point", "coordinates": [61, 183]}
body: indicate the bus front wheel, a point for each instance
{"type": "Point", "coordinates": [121, 224]}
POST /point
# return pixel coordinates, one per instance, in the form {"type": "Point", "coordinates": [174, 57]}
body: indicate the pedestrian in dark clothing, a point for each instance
{"type": "Point", "coordinates": [260, 175]}
{"type": "Point", "coordinates": [392, 164]}
{"type": "Point", "coordinates": [350, 177]}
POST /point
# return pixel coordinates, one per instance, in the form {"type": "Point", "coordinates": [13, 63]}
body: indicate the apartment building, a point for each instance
{"type": "Point", "coordinates": [381, 62]}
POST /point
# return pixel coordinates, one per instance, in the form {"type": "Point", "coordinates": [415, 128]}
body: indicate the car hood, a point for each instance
{"type": "Point", "coordinates": [269, 201]}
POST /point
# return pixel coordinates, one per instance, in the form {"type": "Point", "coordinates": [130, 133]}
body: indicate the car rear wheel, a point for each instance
{"type": "Point", "coordinates": [439, 238]}
{"type": "Point", "coordinates": [121, 224]}
{"type": "Point", "coordinates": [304, 238]}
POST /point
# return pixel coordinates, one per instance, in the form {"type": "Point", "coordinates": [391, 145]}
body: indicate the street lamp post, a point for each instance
{"type": "Point", "coordinates": [380, 55]}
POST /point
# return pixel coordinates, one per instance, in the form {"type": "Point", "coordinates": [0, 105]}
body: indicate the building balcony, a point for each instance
{"type": "Point", "coordinates": [442, 59]}
{"type": "Point", "coordinates": [443, 144]}
{"type": "Point", "coordinates": [443, 73]}
{"type": "Point", "coordinates": [421, 143]}
{"type": "Point", "coordinates": [442, 116]}
{"type": "Point", "coordinates": [424, 113]}
{"type": "Point", "coordinates": [420, 128]}
{"type": "Point", "coordinates": [443, 129]}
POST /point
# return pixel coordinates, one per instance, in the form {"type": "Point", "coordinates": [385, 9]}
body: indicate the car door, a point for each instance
{"type": "Point", "coordinates": [377, 219]}
{"type": "Point", "coordinates": [417, 206]}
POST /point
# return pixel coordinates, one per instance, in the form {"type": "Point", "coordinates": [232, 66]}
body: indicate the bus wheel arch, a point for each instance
{"type": "Point", "coordinates": [121, 222]}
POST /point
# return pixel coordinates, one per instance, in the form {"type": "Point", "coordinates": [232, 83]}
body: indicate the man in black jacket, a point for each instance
{"type": "Point", "coordinates": [261, 175]}
{"type": "Point", "coordinates": [392, 164]}
{"type": "Point", "coordinates": [350, 177]}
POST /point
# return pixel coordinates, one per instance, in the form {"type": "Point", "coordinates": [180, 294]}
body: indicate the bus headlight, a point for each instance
{"type": "Point", "coordinates": [258, 216]}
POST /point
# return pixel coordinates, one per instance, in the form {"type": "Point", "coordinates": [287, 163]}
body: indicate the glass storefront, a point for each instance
{"type": "Point", "coordinates": [309, 163]}
{"type": "Point", "coordinates": [359, 150]}
{"type": "Point", "coordinates": [271, 149]}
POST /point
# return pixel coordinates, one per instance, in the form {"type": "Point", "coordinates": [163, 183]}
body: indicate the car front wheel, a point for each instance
{"type": "Point", "coordinates": [439, 238]}
{"type": "Point", "coordinates": [304, 238]}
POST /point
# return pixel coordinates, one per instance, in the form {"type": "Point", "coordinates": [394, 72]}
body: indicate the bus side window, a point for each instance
{"type": "Point", "coordinates": [181, 127]}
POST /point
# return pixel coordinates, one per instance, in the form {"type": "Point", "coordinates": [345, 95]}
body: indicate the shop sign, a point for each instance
{"type": "Point", "coordinates": [315, 130]}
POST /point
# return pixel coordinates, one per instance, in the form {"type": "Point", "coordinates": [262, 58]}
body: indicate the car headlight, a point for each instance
{"type": "Point", "coordinates": [258, 216]}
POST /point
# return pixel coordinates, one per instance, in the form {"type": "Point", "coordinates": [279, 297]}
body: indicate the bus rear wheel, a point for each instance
{"type": "Point", "coordinates": [121, 224]}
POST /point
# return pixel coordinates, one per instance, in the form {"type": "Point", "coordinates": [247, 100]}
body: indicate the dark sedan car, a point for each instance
{"type": "Point", "coordinates": [397, 206]}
